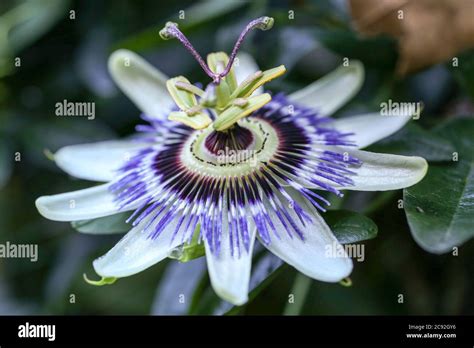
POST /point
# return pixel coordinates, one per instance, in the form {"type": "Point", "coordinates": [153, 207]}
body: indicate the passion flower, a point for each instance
{"type": "Point", "coordinates": [223, 166]}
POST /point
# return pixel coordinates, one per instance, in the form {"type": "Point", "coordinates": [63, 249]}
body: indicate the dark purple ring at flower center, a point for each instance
{"type": "Point", "coordinates": [236, 138]}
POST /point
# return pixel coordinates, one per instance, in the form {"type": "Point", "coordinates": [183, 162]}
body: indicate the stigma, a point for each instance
{"type": "Point", "coordinates": [224, 101]}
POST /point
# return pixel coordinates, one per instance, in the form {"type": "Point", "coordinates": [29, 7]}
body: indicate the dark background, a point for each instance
{"type": "Point", "coordinates": [67, 60]}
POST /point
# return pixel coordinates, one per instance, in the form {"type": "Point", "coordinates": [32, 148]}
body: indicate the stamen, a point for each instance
{"type": "Point", "coordinates": [251, 78]}
{"type": "Point", "coordinates": [190, 88]}
{"type": "Point", "coordinates": [194, 110]}
{"type": "Point", "coordinates": [240, 102]}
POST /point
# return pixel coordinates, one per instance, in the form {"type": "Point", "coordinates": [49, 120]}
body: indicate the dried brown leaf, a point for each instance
{"type": "Point", "coordinates": [428, 31]}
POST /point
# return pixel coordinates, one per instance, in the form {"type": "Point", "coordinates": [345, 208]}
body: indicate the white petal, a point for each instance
{"type": "Point", "coordinates": [141, 82]}
{"type": "Point", "coordinates": [383, 172]}
{"type": "Point", "coordinates": [84, 204]}
{"type": "Point", "coordinates": [329, 93]}
{"type": "Point", "coordinates": [136, 251]}
{"type": "Point", "coordinates": [246, 66]}
{"type": "Point", "coordinates": [370, 128]}
{"type": "Point", "coordinates": [96, 161]}
{"type": "Point", "coordinates": [230, 275]}
{"type": "Point", "coordinates": [319, 256]}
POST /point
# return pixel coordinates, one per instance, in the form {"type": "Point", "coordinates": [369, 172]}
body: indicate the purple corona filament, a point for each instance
{"type": "Point", "coordinates": [236, 138]}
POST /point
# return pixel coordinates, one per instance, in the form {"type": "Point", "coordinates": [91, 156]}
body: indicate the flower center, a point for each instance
{"type": "Point", "coordinates": [236, 138]}
{"type": "Point", "coordinates": [239, 151]}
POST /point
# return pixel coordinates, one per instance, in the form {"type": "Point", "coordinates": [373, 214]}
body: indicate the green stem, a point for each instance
{"type": "Point", "coordinates": [300, 290]}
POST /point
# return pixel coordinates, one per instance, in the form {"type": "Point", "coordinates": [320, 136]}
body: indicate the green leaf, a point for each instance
{"type": "Point", "coordinates": [412, 140]}
{"type": "Point", "coordinates": [350, 227]}
{"type": "Point", "coordinates": [440, 209]}
{"type": "Point", "coordinates": [104, 225]}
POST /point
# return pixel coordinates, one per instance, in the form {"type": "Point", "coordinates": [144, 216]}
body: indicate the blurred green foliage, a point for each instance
{"type": "Point", "coordinates": [65, 58]}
